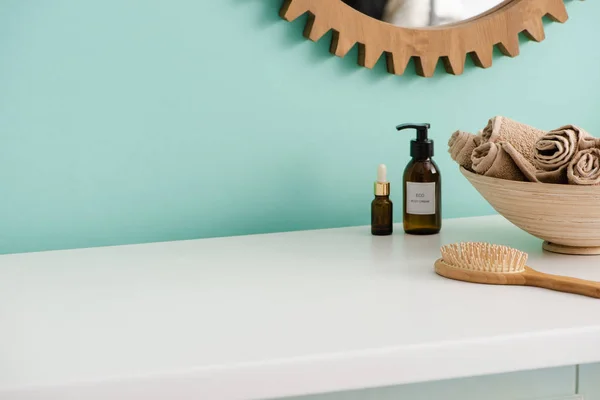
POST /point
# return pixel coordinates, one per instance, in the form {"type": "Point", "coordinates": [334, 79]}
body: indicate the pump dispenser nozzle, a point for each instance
{"type": "Point", "coordinates": [422, 147]}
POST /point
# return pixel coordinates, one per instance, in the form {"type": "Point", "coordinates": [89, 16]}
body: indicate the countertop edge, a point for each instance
{"type": "Point", "coordinates": [323, 373]}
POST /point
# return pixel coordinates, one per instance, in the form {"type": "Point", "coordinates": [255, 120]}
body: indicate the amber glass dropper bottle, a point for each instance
{"type": "Point", "coordinates": [422, 186]}
{"type": "Point", "coordinates": [382, 215]}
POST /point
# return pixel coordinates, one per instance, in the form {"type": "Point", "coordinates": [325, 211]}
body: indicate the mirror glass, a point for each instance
{"type": "Point", "coordinates": [422, 13]}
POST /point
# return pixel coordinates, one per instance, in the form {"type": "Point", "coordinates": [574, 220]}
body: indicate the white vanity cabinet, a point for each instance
{"type": "Point", "coordinates": [316, 315]}
{"type": "Point", "coordinates": [589, 381]}
{"type": "Point", "coordinates": [551, 384]}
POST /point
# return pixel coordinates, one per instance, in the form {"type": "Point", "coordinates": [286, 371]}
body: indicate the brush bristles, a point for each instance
{"type": "Point", "coordinates": [484, 257]}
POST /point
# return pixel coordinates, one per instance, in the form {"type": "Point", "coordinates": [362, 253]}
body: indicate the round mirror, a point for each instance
{"type": "Point", "coordinates": [422, 13]}
{"type": "Point", "coordinates": [426, 30]}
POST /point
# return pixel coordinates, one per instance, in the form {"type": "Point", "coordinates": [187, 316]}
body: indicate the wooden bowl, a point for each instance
{"type": "Point", "coordinates": [567, 217]}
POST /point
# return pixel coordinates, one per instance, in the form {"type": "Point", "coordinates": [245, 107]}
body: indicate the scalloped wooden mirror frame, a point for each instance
{"type": "Point", "coordinates": [477, 36]}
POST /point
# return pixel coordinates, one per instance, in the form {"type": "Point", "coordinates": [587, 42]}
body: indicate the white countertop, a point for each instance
{"type": "Point", "coordinates": [276, 315]}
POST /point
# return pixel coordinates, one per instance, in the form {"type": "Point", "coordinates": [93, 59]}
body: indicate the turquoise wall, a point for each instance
{"type": "Point", "coordinates": [150, 120]}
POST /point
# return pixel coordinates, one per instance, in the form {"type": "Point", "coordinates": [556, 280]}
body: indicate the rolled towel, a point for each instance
{"type": "Point", "coordinates": [492, 159]}
{"type": "Point", "coordinates": [461, 146]}
{"type": "Point", "coordinates": [556, 149]}
{"type": "Point", "coordinates": [585, 168]}
{"type": "Point", "coordinates": [522, 137]}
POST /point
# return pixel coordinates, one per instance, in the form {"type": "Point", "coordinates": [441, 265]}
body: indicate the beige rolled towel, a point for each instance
{"type": "Point", "coordinates": [584, 169]}
{"type": "Point", "coordinates": [492, 159]}
{"type": "Point", "coordinates": [522, 137]}
{"type": "Point", "coordinates": [461, 146]}
{"type": "Point", "coordinates": [555, 151]}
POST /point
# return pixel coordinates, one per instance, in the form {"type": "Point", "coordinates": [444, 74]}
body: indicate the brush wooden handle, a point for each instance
{"type": "Point", "coordinates": [561, 283]}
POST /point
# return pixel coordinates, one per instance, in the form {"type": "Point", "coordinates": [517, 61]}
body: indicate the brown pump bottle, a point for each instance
{"type": "Point", "coordinates": [422, 186]}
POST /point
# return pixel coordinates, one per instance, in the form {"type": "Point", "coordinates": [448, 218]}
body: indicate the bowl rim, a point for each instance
{"type": "Point", "coordinates": [506, 182]}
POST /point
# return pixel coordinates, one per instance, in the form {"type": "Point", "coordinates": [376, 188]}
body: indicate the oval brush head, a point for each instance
{"type": "Point", "coordinates": [484, 257]}
{"type": "Point", "coordinates": [493, 264]}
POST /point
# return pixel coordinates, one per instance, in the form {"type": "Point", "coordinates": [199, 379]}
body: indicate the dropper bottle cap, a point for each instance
{"type": "Point", "coordinates": [382, 186]}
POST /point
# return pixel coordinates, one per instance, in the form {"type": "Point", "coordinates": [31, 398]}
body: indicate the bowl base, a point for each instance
{"type": "Point", "coordinates": [562, 249]}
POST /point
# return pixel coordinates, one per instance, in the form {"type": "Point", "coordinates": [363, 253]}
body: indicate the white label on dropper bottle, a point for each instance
{"type": "Point", "coordinates": [420, 198]}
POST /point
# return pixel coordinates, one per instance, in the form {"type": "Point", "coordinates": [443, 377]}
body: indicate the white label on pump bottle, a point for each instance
{"type": "Point", "coordinates": [420, 198]}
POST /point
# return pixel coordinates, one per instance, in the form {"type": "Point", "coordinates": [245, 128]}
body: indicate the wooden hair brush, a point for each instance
{"type": "Point", "coordinates": [502, 265]}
